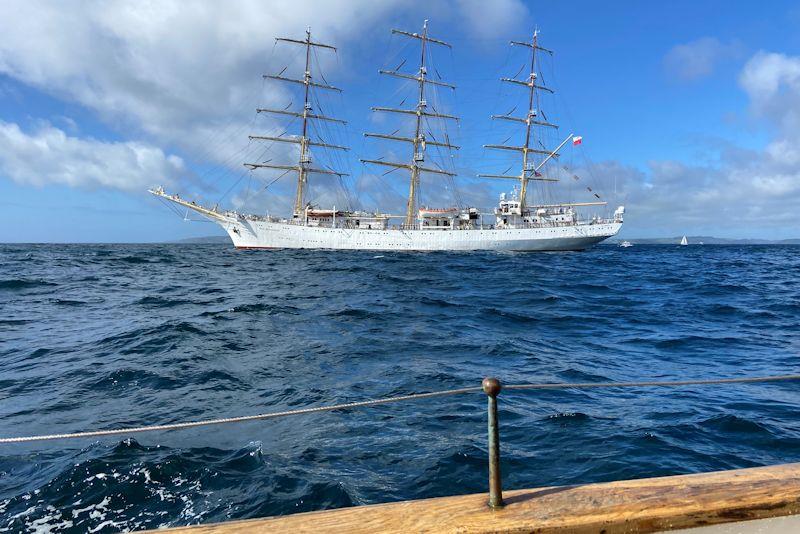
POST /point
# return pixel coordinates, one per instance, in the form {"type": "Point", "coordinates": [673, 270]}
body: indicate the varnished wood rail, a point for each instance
{"type": "Point", "coordinates": [629, 506]}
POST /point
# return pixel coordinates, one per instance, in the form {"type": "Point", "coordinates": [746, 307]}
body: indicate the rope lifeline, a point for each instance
{"type": "Point", "coordinates": [675, 383]}
{"type": "Point", "coordinates": [388, 400]}
{"type": "Point", "coordinates": [240, 419]}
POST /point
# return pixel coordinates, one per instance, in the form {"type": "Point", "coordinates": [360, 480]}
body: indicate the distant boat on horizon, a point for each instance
{"type": "Point", "coordinates": [626, 244]}
{"type": "Point", "coordinates": [684, 241]}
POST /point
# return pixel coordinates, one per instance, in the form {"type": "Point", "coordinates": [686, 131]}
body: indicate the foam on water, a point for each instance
{"type": "Point", "coordinates": [128, 335]}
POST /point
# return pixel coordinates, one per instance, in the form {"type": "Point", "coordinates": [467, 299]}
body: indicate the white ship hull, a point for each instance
{"type": "Point", "coordinates": [249, 232]}
{"type": "Point", "coordinates": [254, 234]}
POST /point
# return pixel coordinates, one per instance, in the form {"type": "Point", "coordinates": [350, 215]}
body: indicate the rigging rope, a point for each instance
{"type": "Point", "coordinates": [258, 417]}
{"type": "Point", "coordinates": [389, 400]}
{"type": "Point", "coordinates": [577, 178]}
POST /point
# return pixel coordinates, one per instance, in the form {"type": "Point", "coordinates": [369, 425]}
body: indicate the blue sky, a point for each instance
{"type": "Point", "coordinates": [687, 109]}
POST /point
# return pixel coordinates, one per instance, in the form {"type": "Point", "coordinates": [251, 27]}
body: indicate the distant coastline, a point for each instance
{"type": "Point", "coordinates": [705, 240]}
{"type": "Point", "coordinates": [203, 240]}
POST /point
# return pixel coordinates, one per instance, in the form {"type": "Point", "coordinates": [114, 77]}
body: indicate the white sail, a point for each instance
{"type": "Point", "coordinates": [684, 241]}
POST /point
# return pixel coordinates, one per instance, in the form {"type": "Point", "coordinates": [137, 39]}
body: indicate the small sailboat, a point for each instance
{"type": "Point", "coordinates": [684, 241]}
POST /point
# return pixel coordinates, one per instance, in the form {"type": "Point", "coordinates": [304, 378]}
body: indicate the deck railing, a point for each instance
{"type": "Point", "coordinates": [349, 225]}
{"type": "Point", "coordinates": [490, 386]}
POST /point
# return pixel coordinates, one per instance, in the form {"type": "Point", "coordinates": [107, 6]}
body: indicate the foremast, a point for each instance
{"type": "Point", "coordinates": [419, 141]}
{"type": "Point", "coordinates": [530, 169]}
{"type": "Point", "coordinates": [304, 167]}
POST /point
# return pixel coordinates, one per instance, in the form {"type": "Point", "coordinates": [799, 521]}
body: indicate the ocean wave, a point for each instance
{"type": "Point", "coordinates": [568, 417]}
{"type": "Point", "coordinates": [355, 313]}
{"type": "Point", "coordinates": [148, 339]}
{"type": "Point", "coordinates": [24, 283]}
{"type": "Point", "coordinates": [132, 377]}
{"type": "Point", "coordinates": [255, 309]}
{"type": "Point", "coordinates": [217, 379]}
{"type": "Point", "coordinates": [15, 322]}
{"type": "Point", "coordinates": [724, 309]}
{"type": "Point", "coordinates": [733, 424]}
{"type": "Point", "coordinates": [68, 302]}
{"type": "Point", "coordinates": [161, 302]}
{"type": "Point", "coordinates": [134, 259]}
{"type": "Point", "coordinates": [696, 341]}
{"type": "Point", "coordinates": [509, 316]}
{"type": "Point", "coordinates": [439, 303]}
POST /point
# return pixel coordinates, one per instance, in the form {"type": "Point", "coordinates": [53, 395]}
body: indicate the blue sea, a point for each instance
{"type": "Point", "coordinates": [108, 336]}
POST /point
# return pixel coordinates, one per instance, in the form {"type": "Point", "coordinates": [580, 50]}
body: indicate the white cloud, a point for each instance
{"type": "Point", "coordinates": [50, 156]}
{"type": "Point", "coordinates": [189, 74]}
{"type": "Point", "coordinates": [765, 73]}
{"type": "Point", "coordinates": [772, 81]}
{"type": "Point", "coordinates": [754, 199]}
{"type": "Point", "coordinates": [698, 58]}
{"type": "Point", "coordinates": [487, 19]}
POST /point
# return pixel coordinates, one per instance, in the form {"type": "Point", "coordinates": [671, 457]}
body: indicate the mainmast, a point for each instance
{"type": "Point", "coordinates": [530, 171]}
{"type": "Point", "coordinates": [303, 168]}
{"type": "Point", "coordinates": [419, 141]}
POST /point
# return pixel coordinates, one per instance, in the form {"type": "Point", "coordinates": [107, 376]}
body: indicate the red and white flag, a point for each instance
{"type": "Point", "coordinates": [577, 140]}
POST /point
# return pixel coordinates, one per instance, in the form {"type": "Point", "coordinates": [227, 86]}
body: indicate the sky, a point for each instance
{"type": "Point", "coordinates": [688, 110]}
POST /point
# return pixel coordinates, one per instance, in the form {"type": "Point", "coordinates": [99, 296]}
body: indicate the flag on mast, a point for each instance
{"type": "Point", "coordinates": [578, 139]}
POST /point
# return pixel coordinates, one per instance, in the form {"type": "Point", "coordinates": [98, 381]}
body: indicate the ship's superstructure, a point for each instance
{"type": "Point", "coordinates": [517, 223]}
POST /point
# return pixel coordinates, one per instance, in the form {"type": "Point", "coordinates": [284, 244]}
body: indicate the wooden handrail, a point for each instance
{"type": "Point", "coordinates": [644, 505]}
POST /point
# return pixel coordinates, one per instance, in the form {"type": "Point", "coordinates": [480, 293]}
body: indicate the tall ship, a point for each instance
{"type": "Point", "coordinates": [518, 223]}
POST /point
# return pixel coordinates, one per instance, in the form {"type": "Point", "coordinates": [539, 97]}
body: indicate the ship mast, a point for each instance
{"type": "Point", "coordinates": [419, 141]}
{"type": "Point", "coordinates": [529, 168]}
{"type": "Point", "coordinates": [303, 168]}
